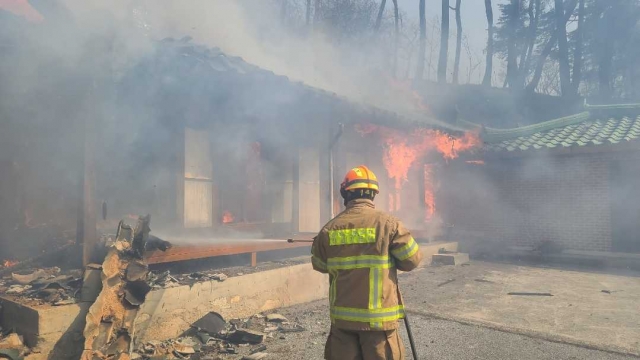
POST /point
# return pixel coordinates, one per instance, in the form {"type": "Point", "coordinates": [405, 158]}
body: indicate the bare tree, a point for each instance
{"type": "Point", "coordinates": [563, 48]}
{"type": "Point", "coordinates": [474, 60]}
{"type": "Point", "coordinates": [380, 13]}
{"type": "Point", "coordinates": [537, 75]}
{"type": "Point", "coordinates": [577, 55]}
{"type": "Point", "coordinates": [423, 41]}
{"type": "Point", "coordinates": [456, 64]}
{"type": "Point", "coordinates": [533, 12]}
{"type": "Point", "coordinates": [486, 81]}
{"type": "Point", "coordinates": [396, 36]}
{"type": "Point", "coordinates": [432, 41]}
{"type": "Point", "coordinates": [606, 48]}
{"type": "Point", "coordinates": [512, 56]}
{"type": "Point", "coordinates": [444, 43]}
{"type": "Point", "coordinates": [308, 13]}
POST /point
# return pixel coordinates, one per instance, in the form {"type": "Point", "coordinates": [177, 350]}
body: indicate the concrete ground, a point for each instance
{"type": "Point", "coordinates": [473, 317]}
{"type": "Point", "coordinates": [436, 339]}
{"type": "Point", "coordinates": [578, 312]}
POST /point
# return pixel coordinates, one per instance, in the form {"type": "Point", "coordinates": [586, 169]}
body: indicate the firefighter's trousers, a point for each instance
{"type": "Point", "coordinates": [364, 345]}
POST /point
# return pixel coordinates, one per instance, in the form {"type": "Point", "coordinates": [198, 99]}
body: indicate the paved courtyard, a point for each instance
{"type": "Point", "coordinates": [465, 312]}
{"type": "Point", "coordinates": [436, 339]}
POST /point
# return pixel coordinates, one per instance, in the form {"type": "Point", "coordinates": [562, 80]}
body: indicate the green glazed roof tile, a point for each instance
{"type": "Point", "coordinates": [590, 128]}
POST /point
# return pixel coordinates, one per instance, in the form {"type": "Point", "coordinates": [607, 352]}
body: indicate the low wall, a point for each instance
{"type": "Point", "coordinates": [169, 312]}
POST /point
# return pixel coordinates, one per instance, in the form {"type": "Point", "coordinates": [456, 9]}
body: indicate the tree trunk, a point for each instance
{"type": "Point", "coordinates": [537, 75]}
{"type": "Point", "coordinates": [525, 60]}
{"type": "Point", "coordinates": [577, 56]}
{"type": "Point", "coordinates": [456, 64]}
{"type": "Point", "coordinates": [423, 41]}
{"type": "Point", "coordinates": [563, 49]}
{"type": "Point", "coordinates": [605, 61]}
{"type": "Point", "coordinates": [396, 36]}
{"type": "Point", "coordinates": [512, 56]}
{"type": "Point", "coordinates": [533, 35]}
{"type": "Point", "coordinates": [308, 13]}
{"type": "Point", "coordinates": [380, 12]}
{"type": "Point", "coordinates": [444, 43]}
{"type": "Point", "coordinates": [486, 81]}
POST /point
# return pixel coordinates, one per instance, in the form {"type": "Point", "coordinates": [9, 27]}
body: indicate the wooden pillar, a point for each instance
{"type": "Point", "coordinates": [254, 259]}
{"type": "Point", "coordinates": [295, 199]}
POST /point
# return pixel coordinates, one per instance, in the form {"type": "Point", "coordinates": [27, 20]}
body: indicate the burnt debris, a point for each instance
{"type": "Point", "coordinates": [212, 336]}
{"type": "Point", "coordinates": [109, 324]}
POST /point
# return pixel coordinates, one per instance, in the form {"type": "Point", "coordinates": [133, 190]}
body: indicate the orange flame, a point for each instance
{"type": "Point", "coordinates": [227, 217]}
{"type": "Point", "coordinates": [9, 263]}
{"type": "Point", "coordinates": [22, 8]}
{"type": "Point", "coordinates": [402, 149]}
{"type": "Point", "coordinates": [429, 196]}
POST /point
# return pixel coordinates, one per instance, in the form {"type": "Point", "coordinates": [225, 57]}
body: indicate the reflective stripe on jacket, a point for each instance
{"type": "Point", "coordinates": [361, 249]}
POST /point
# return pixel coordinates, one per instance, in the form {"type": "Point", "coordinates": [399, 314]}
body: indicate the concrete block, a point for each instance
{"type": "Point", "coordinates": [45, 326]}
{"type": "Point", "coordinates": [450, 259]}
{"type": "Point", "coordinates": [430, 249]}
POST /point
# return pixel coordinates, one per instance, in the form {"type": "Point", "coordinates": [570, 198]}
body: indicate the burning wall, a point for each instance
{"type": "Point", "coordinates": [420, 151]}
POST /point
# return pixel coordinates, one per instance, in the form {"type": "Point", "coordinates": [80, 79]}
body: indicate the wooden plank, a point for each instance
{"type": "Point", "coordinates": [181, 253]}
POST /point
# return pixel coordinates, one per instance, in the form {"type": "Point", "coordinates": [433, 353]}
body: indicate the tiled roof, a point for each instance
{"type": "Point", "coordinates": [213, 59]}
{"type": "Point", "coordinates": [599, 125]}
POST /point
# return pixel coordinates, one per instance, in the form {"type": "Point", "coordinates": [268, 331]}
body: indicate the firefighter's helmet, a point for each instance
{"type": "Point", "coordinates": [360, 178]}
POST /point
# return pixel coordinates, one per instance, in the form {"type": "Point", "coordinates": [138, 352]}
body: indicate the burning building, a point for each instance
{"type": "Point", "coordinates": [257, 152]}
{"type": "Point", "coordinates": [214, 147]}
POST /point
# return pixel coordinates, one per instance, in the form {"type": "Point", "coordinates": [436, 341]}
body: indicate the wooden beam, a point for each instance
{"type": "Point", "coordinates": [182, 253]}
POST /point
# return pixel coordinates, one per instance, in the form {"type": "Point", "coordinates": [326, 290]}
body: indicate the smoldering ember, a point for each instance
{"type": "Point", "coordinates": [172, 179]}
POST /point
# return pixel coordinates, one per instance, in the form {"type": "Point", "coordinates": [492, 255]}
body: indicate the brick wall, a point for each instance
{"type": "Point", "coordinates": [525, 201]}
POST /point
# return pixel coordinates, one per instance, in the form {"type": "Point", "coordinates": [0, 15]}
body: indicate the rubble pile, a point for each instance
{"type": "Point", "coordinates": [43, 286]}
{"type": "Point", "coordinates": [211, 337]}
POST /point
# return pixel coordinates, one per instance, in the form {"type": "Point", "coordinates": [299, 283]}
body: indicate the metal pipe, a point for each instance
{"type": "Point", "coordinates": [331, 170]}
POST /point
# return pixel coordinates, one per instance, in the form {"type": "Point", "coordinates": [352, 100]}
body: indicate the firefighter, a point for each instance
{"type": "Point", "coordinates": [362, 250]}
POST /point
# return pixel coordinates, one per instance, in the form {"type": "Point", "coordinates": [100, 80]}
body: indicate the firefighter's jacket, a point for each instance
{"type": "Point", "coordinates": [362, 250]}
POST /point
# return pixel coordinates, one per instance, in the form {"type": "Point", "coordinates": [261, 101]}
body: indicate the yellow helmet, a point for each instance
{"type": "Point", "coordinates": [360, 178]}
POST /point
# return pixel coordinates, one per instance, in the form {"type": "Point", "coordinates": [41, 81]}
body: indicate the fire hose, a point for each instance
{"type": "Point", "coordinates": [297, 240]}
{"type": "Point", "coordinates": [414, 351]}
